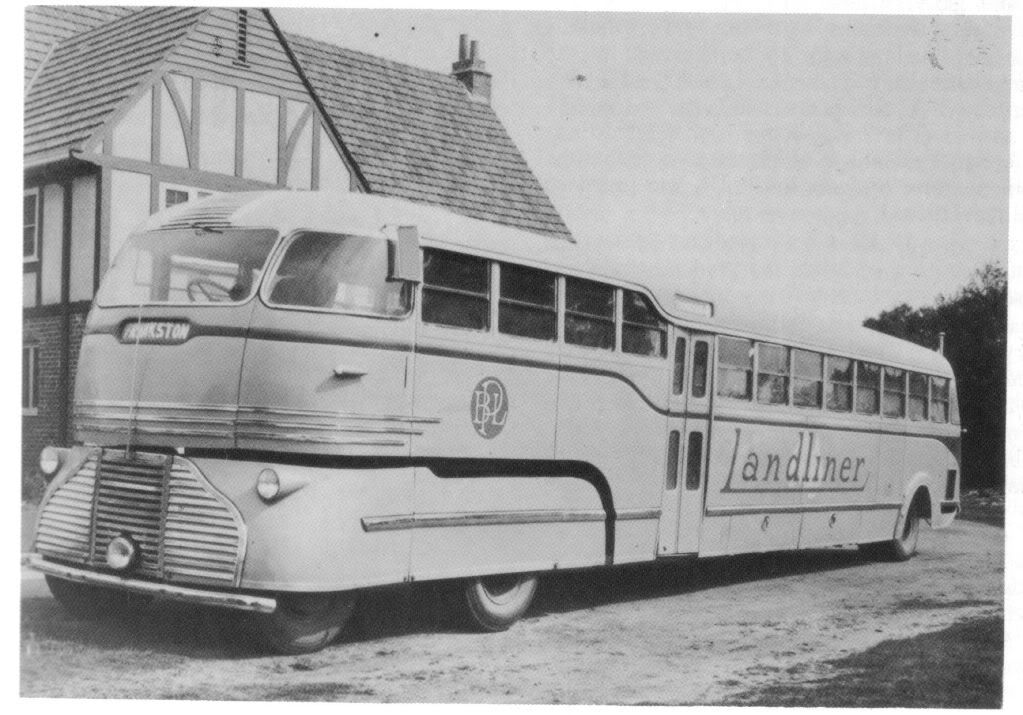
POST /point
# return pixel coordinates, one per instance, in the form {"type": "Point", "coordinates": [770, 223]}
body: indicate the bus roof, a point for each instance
{"type": "Point", "coordinates": [695, 299]}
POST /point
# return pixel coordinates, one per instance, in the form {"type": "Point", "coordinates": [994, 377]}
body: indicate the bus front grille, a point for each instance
{"type": "Point", "coordinates": [185, 531]}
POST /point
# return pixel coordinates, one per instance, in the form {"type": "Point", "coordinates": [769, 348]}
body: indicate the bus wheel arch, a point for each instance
{"type": "Point", "coordinates": [903, 544]}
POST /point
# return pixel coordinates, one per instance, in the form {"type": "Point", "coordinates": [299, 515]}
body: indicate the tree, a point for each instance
{"type": "Point", "coordinates": [975, 323]}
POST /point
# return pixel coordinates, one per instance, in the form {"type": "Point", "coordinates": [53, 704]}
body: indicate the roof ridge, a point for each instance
{"type": "Point", "coordinates": [376, 58]}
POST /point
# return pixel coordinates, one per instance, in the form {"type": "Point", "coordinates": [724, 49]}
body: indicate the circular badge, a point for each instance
{"type": "Point", "coordinates": [488, 408]}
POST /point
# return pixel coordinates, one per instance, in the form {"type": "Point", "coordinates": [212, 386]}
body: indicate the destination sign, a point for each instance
{"type": "Point", "coordinates": [156, 332]}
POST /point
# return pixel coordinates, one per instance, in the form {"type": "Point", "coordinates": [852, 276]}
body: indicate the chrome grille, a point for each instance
{"type": "Point", "coordinates": [129, 500]}
{"type": "Point", "coordinates": [63, 530]}
{"type": "Point", "coordinates": [185, 530]}
{"type": "Point", "coordinates": [202, 537]}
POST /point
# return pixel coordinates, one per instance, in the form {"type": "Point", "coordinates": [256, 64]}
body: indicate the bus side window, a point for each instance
{"type": "Point", "coordinates": [528, 304]}
{"type": "Point", "coordinates": [772, 374]}
{"type": "Point", "coordinates": [671, 473]}
{"type": "Point", "coordinates": [589, 314]}
{"type": "Point", "coordinates": [807, 378]}
{"type": "Point", "coordinates": [840, 384]}
{"type": "Point", "coordinates": [894, 398]}
{"type": "Point", "coordinates": [456, 290]}
{"type": "Point", "coordinates": [678, 380]}
{"type": "Point", "coordinates": [735, 368]}
{"type": "Point", "coordinates": [868, 388]}
{"type": "Point", "coordinates": [643, 332]}
{"type": "Point", "coordinates": [939, 399]}
{"type": "Point", "coordinates": [701, 350]}
{"type": "Point", "coordinates": [917, 396]}
{"type": "Point", "coordinates": [694, 459]}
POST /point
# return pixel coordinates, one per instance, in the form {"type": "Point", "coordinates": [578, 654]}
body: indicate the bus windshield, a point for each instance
{"type": "Point", "coordinates": [192, 266]}
{"type": "Point", "coordinates": [337, 273]}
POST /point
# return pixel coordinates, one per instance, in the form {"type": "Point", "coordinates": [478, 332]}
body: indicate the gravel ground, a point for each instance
{"type": "Point", "coordinates": [684, 633]}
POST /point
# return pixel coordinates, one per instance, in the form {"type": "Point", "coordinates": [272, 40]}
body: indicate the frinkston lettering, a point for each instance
{"type": "Point", "coordinates": [803, 469]}
{"type": "Point", "coordinates": [155, 332]}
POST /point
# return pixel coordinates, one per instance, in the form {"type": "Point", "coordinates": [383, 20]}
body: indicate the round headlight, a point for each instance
{"type": "Point", "coordinates": [120, 553]}
{"type": "Point", "coordinates": [49, 460]}
{"type": "Point", "coordinates": [268, 485]}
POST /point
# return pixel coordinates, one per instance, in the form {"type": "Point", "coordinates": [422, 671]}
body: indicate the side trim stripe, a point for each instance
{"type": "Point", "coordinates": [743, 511]}
{"type": "Point", "coordinates": [494, 518]}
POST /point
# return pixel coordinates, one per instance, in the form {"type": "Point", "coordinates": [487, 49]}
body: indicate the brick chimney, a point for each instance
{"type": "Point", "coordinates": [470, 70]}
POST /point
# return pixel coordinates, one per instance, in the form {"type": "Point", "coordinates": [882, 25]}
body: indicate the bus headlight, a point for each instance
{"type": "Point", "coordinates": [268, 485]}
{"type": "Point", "coordinates": [50, 460]}
{"type": "Point", "coordinates": [273, 487]}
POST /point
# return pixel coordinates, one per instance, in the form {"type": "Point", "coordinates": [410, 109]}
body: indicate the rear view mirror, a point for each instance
{"type": "Point", "coordinates": [407, 261]}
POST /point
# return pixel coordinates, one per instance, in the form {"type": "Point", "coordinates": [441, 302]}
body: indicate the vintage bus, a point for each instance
{"type": "Point", "coordinates": [285, 398]}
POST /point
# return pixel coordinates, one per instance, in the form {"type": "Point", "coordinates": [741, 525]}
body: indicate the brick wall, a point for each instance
{"type": "Point", "coordinates": [44, 428]}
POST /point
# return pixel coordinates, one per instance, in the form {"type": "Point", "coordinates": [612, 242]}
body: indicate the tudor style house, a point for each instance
{"type": "Point", "coordinates": [131, 110]}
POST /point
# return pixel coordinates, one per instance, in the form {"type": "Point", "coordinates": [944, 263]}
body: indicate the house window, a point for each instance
{"type": "Point", "coordinates": [30, 379]}
{"type": "Point", "coordinates": [30, 233]}
{"type": "Point", "coordinates": [172, 195]}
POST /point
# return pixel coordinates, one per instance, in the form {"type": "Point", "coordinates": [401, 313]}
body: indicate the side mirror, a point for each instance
{"type": "Point", "coordinates": [407, 260]}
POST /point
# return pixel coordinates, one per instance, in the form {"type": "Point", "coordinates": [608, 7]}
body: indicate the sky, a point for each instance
{"type": "Point", "coordinates": [830, 164]}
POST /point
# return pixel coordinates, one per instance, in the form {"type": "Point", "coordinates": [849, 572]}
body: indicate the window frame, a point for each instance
{"type": "Point", "coordinates": [819, 381]}
{"type": "Point", "coordinates": [785, 376]}
{"type": "Point", "coordinates": [661, 328]}
{"type": "Point", "coordinates": [926, 397]}
{"type": "Point", "coordinates": [30, 382]}
{"type": "Point", "coordinates": [36, 234]}
{"type": "Point", "coordinates": [885, 392]}
{"type": "Point", "coordinates": [487, 297]}
{"type": "Point", "coordinates": [565, 313]}
{"type": "Point", "coordinates": [858, 387]}
{"type": "Point", "coordinates": [750, 372]}
{"type": "Point", "coordinates": [278, 253]}
{"type": "Point", "coordinates": [932, 379]}
{"type": "Point", "coordinates": [539, 308]}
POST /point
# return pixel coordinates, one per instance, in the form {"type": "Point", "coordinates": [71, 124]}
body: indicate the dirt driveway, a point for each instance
{"type": "Point", "coordinates": [694, 633]}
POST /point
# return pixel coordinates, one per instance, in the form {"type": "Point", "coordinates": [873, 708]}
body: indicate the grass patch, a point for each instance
{"type": "Point", "coordinates": [959, 667]}
{"type": "Point", "coordinates": [986, 506]}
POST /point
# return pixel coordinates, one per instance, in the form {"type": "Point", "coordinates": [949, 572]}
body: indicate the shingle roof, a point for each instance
{"type": "Point", "coordinates": [88, 75]}
{"type": "Point", "coordinates": [46, 25]}
{"type": "Point", "coordinates": [419, 135]}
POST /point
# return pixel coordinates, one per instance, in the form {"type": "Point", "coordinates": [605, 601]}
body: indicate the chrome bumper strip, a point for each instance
{"type": "Point", "coordinates": [399, 522]}
{"type": "Point", "coordinates": [236, 601]}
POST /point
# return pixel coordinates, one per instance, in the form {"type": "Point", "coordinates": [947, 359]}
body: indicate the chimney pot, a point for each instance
{"type": "Point", "coordinates": [470, 70]}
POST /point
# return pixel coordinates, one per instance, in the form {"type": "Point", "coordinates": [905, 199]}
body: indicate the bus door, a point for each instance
{"type": "Point", "coordinates": [687, 443]}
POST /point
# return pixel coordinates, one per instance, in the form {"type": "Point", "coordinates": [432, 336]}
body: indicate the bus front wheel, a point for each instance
{"type": "Point", "coordinates": [305, 622]}
{"type": "Point", "coordinates": [494, 603]}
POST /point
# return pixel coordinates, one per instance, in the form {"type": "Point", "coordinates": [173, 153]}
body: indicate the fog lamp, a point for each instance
{"type": "Point", "coordinates": [268, 485]}
{"type": "Point", "coordinates": [121, 553]}
{"type": "Point", "coordinates": [50, 460]}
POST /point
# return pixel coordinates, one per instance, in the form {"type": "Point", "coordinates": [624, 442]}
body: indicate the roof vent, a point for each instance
{"type": "Point", "coordinates": [241, 43]}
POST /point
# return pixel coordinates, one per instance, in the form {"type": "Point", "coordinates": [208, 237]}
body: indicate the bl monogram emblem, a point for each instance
{"type": "Point", "coordinates": [488, 408]}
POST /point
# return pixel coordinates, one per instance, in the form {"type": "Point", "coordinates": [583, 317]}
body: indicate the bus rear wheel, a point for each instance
{"type": "Point", "coordinates": [494, 603]}
{"type": "Point", "coordinates": [305, 622]}
{"type": "Point", "coordinates": [91, 602]}
{"type": "Point", "coordinates": [903, 546]}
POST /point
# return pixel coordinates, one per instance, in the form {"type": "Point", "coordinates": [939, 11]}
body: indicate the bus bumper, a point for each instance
{"type": "Point", "coordinates": [220, 599]}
